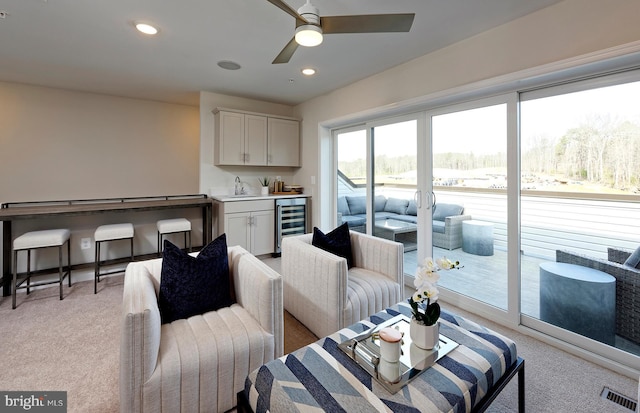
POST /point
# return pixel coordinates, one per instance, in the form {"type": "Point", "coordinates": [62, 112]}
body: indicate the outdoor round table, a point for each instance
{"type": "Point", "coordinates": [579, 299]}
{"type": "Point", "coordinates": [477, 237]}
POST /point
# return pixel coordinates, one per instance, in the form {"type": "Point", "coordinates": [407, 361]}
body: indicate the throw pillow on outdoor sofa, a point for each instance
{"type": "Point", "coordinates": [337, 242]}
{"type": "Point", "coordinates": [194, 285]}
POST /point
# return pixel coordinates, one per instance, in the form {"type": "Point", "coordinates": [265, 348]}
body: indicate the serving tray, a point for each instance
{"type": "Point", "coordinates": [365, 350]}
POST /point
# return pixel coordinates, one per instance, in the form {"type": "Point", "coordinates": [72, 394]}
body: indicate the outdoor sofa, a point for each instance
{"type": "Point", "coordinates": [447, 218]}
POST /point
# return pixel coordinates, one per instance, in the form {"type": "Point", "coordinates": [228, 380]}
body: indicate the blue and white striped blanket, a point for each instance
{"type": "Point", "coordinates": [321, 377]}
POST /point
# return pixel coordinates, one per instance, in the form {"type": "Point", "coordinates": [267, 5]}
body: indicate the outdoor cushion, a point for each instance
{"type": "Point", "coordinates": [354, 220]}
{"type": "Point", "coordinates": [446, 210]}
{"type": "Point", "coordinates": [438, 226]}
{"type": "Point", "coordinates": [412, 209]}
{"type": "Point", "coordinates": [357, 204]}
{"type": "Point", "coordinates": [397, 205]}
{"type": "Point", "coordinates": [343, 207]}
{"type": "Point", "coordinates": [380, 202]}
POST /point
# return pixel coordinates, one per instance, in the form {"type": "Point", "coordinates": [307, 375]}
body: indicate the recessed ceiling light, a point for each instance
{"type": "Point", "coordinates": [308, 71]}
{"type": "Point", "coordinates": [229, 65]}
{"type": "Point", "coordinates": [146, 28]}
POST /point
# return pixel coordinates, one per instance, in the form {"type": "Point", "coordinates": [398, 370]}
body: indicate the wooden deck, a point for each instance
{"type": "Point", "coordinates": [485, 278]}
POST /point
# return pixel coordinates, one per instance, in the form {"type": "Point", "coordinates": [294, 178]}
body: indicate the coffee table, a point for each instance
{"type": "Point", "coordinates": [321, 377]}
{"type": "Point", "coordinates": [390, 229]}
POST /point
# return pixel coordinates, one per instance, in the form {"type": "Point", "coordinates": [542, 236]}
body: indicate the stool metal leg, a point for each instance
{"type": "Point", "coordinates": [189, 241]}
{"type": "Point", "coordinates": [69, 261]}
{"type": "Point", "coordinates": [15, 279]}
{"type": "Point", "coordinates": [60, 269]}
{"type": "Point", "coordinates": [131, 240]}
{"type": "Point", "coordinates": [96, 276]}
{"type": "Point", "coordinates": [28, 271]}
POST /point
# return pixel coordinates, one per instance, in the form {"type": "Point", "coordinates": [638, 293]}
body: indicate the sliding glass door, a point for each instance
{"type": "Point", "coordinates": [580, 211]}
{"type": "Point", "coordinates": [536, 194]}
{"type": "Point", "coordinates": [377, 182]}
{"type": "Point", "coordinates": [469, 171]}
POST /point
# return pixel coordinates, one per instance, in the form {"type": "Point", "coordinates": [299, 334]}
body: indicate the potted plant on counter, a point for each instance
{"type": "Point", "coordinates": [264, 183]}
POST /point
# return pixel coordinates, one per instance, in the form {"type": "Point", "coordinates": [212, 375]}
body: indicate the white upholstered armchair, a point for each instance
{"type": "Point", "coordinates": [325, 296]}
{"type": "Point", "coordinates": [200, 363]}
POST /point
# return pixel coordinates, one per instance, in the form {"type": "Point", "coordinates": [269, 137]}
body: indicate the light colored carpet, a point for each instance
{"type": "Point", "coordinates": [73, 345]}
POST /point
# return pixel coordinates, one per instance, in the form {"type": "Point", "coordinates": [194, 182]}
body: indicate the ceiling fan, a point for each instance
{"type": "Point", "coordinates": [310, 26]}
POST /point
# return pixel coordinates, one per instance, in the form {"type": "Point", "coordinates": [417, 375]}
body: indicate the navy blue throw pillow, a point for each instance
{"type": "Point", "coordinates": [337, 242]}
{"type": "Point", "coordinates": [194, 285]}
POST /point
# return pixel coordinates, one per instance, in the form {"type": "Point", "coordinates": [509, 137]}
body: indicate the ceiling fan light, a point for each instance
{"type": "Point", "coordinates": [308, 35]}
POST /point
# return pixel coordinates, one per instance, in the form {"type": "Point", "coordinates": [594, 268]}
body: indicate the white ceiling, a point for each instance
{"type": "Point", "coordinates": [91, 45]}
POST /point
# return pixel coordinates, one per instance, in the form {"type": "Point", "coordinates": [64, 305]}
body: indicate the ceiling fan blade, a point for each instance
{"type": "Point", "coordinates": [367, 23]}
{"type": "Point", "coordinates": [287, 52]}
{"type": "Point", "coordinates": [287, 9]}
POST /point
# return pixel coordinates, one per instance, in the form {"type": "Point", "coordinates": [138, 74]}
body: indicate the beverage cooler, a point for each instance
{"type": "Point", "coordinates": [291, 219]}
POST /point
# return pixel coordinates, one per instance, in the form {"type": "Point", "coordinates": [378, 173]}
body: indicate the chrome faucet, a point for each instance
{"type": "Point", "coordinates": [239, 189]}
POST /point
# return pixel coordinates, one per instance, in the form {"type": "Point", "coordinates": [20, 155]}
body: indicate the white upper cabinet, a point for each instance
{"type": "Point", "coordinates": [284, 142]}
{"type": "Point", "coordinates": [243, 138]}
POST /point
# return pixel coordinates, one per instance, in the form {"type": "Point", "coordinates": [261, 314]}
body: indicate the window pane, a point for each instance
{"type": "Point", "coordinates": [352, 176]}
{"type": "Point", "coordinates": [580, 161]}
{"type": "Point", "coordinates": [470, 172]}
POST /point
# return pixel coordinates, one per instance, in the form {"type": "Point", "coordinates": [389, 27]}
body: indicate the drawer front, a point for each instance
{"type": "Point", "coordinates": [248, 206]}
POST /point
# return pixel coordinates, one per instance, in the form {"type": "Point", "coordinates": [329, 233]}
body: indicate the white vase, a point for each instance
{"type": "Point", "coordinates": [264, 190]}
{"type": "Point", "coordinates": [424, 337]}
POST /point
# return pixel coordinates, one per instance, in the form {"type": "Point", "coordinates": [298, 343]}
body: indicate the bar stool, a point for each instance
{"type": "Point", "coordinates": [105, 233]}
{"type": "Point", "coordinates": [172, 226]}
{"type": "Point", "coordinates": [36, 240]}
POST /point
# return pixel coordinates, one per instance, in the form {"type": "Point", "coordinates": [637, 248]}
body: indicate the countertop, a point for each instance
{"type": "Point", "coordinates": [234, 198]}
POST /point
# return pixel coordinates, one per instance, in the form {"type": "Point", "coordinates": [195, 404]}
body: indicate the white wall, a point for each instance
{"type": "Point", "coordinates": [58, 144]}
{"type": "Point", "coordinates": [563, 31]}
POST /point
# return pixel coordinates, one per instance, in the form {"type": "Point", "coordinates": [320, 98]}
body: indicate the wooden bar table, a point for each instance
{"type": "Point", "coordinates": [39, 210]}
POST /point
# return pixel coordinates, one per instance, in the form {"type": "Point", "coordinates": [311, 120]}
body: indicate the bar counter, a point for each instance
{"type": "Point", "coordinates": [14, 211]}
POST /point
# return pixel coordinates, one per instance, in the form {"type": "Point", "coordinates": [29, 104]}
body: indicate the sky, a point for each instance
{"type": "Point", "coordinates": [484, 131]}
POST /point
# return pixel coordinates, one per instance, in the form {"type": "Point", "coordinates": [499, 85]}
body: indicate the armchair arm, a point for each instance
{"type": "Point", "coordinates": [453, 223]}
{"type": "Point", "coordinates": [259, 291]}
{"type": "Point", "coordinates": [379, 255]}
{"type": "Point", "coordinates": [140, 334]}
{"type": "Point", "coordinates": [315, 284]}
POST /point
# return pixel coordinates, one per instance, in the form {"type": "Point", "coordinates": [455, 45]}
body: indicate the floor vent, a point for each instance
{"type": "Point", "coordinates": [617, 398]}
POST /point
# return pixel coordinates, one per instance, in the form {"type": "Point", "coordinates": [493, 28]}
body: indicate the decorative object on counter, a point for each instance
{"type": "Point", "coordinates": [293, 188]}
{"type": "Point", "coordinates": [264, 184]}
{"type": "Point", "coordinates": [278, 185]}
{"type": "Point", "coordinates": [424, 330]}
{"type": "Point", "coordinates": [239, 188]}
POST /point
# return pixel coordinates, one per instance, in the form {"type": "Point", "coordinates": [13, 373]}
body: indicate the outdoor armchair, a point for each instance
{"type": "Point", "coordinates": [627, 287]}
{"type": "Point", "coordinates": [324, 295]}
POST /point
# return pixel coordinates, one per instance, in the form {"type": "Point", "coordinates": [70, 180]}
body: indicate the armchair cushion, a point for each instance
{"type": "Point", "coordinates": [634, 259]}
{"type": "Point", "coordinates": [337, 242]}
{"type": "Point", "coordinates": [194, 285]}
